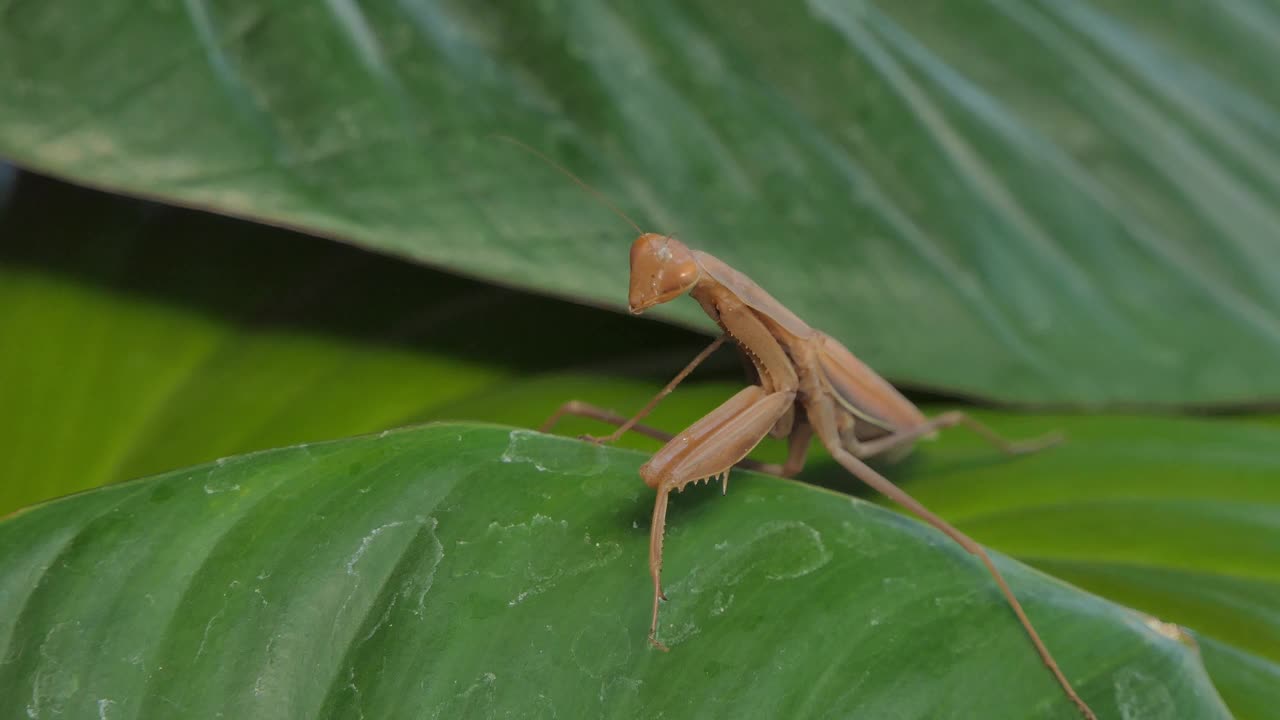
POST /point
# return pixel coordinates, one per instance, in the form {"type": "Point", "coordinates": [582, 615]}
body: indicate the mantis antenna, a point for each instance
{"type": "Point", "coordinates": [599, 196]}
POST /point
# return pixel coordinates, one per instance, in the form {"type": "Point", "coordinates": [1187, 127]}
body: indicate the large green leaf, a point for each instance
{"type": "Point", "coordinates": [1178, 518]}
{"type": "Point", "coordinates": [975, 196]}
{"type": "Point", "coordinates": [139, 339]}
{"type": "Point", "coordinates": [144, 338]}
{"type": "Point", "coordinates": [467, 571]}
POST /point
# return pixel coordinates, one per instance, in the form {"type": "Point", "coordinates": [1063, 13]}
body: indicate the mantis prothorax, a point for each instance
{"type": "Point", "coordinates": [809, 384]}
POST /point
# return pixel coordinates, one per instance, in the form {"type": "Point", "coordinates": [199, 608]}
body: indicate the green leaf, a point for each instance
{"type": "Point", "coordinates": [461, 570]}
{"type": "Point", "coordinates": [150, 338]}
{"type": "Point", "coordinates": [974, 196]}
{"type": "Point", "coordinates": [141, 338]}
{"type": "Point", "coordinates": [1177, 518]}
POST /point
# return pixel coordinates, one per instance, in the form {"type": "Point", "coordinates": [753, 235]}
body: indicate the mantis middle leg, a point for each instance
{"type": "Point", "coordinates": [574, 407]}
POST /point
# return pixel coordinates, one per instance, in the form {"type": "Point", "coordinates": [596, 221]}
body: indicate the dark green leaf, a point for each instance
{"type": "Point", "coordinates": [1177, 518]}
{"type": "Point", "coordinates": [468, 571]}
{"type": "Point", "coordinates": [1035, 202]}
{"type": "Point", "coordinates": [274, 339]}
{"type": "Point", "coordinates": [140, 338]}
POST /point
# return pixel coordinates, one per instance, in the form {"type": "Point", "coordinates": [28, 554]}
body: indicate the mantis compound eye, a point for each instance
{"type": "Point", "coordinates": [662, 269]}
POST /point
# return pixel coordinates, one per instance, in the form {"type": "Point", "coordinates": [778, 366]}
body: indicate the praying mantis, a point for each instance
{"type": "Point", "coordinates": [807, 384]}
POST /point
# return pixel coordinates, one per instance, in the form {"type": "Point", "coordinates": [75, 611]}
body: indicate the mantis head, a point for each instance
{"type": "Point", "coordinates": [662, 269]}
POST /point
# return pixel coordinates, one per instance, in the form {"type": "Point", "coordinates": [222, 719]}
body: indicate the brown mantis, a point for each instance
{"type": "Point", "coordinates": [808, 384]}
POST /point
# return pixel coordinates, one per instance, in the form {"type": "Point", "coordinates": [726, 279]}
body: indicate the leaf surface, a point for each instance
{"type": "Point", "coordinates": [463, 570]}
{"type": "Point", "coordinates": [975, 197]}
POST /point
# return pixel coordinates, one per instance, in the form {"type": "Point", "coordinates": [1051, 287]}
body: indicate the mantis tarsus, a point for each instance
{"type": "Point", "coordinates": [808, 384]}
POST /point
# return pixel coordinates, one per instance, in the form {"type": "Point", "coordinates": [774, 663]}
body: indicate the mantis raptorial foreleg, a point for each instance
{"type": "Point", "coordinates": [706, 449]}
{"type": "Point", "coordinates": [797, 440]}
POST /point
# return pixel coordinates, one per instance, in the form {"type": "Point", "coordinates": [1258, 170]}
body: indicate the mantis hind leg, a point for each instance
{"type": "Point", "coordinates": [906, 436]}
{"type": "Point", "coordinates": [823, 418]}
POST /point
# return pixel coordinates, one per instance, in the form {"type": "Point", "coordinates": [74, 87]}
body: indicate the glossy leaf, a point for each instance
{"type": "Point", "coordinates": [975, 196]}
{"type": "Point", "coordinates": [108, 300]}
{"type": "Point", "coordinates": [1178, 518]}
{"type": "Point", "coordinates": [458, 570]}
